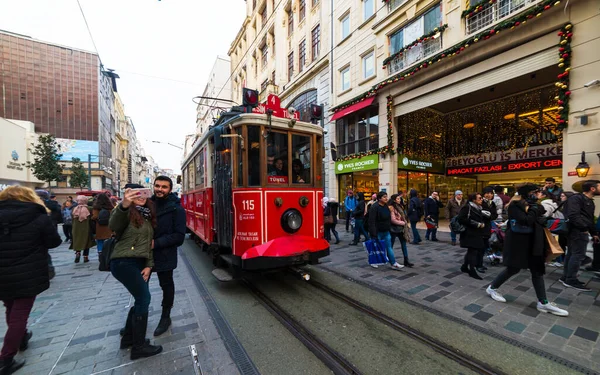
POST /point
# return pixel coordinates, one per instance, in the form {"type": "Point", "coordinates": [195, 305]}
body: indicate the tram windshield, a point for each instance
{"type": "Point", "coordinates": [287, 158]}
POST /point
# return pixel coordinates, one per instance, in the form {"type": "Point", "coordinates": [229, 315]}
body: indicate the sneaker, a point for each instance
{"type": "Point", "coordinates": [453, 243]}
{"type": "Point", "coordinates": [551, 308]}
{"type": "Point", "coordinates": [556, 264]}
{"type": "Point", "coordinates": [577, 285]}
{"type": "Point", "coordinates": [494, 294]}
{"type": "Point", "coordinates": [587, 260]}
{"type": "Point", "coordinates": [374, 265]}
{"type": "Point", "coordinates": [397, 266]}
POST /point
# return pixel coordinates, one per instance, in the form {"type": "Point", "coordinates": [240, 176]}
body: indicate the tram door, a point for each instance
{"type": "Point", "coordinates": [222, 198]}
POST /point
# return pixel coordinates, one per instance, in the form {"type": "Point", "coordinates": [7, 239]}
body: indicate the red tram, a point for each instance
{"type": "Point", "coordinates": [252, 189]}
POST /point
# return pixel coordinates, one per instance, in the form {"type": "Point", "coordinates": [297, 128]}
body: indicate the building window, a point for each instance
{"type": "Point", "coordinates": [263, 16]}
{"type": "Point", "coordinates": [301, 10]}
{"type": "Point", "coordinates": [302, 104]}
{"type": "Point", "coordinates": [368, 64]}
{"type": "Point", "coordinates": [290, 16]}
{"type": "Point", "coordinates": [273, 77]}
{"type": "Point", "coordinates": [302, 55]}
{"type": "Point", "coordinates": [263, 86]}
{"type": "Point", "coordinates": [368, 9]}
{"type": "Point", "coordinates": [290, 66]}
{"type": "Point", "coordinates": [358, 133]}
{"type": "Point", "coordinates": [253, 4]}
{"type": "Point", "coordinates": [345, 26]}
{"type": "Point", "coordinates": [316, 41]}
{"type": "Point", "coordinates": [492, 14]}
{"type": "Point", "coordinates": [393, 4]}
{"type": "Point", "coordinates": [396, 41]}
{"type": "Point", "coordinates": [345, 79]}
{"type": "Point", "coordinates": [264, 53]}
{"type": "Point", "coordinates": [315, 3]}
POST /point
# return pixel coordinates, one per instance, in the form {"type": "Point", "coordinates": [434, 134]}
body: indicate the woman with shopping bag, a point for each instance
{"type": "Point", "coordinates": [525, 247]}
{"type": "Point", "coordinates": [380, 222]}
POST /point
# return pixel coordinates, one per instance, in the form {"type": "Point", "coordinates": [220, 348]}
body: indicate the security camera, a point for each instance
{"type": "Point", "coordinates": [291, 111]}
{"type": "Point", "coordinates": [325, 131]}
{"type": "Point", "coordinates": [592, 83]}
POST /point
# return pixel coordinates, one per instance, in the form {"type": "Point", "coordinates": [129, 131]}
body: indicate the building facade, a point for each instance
{"type": "Point", "coordinates": [469, 95]}
{"type": "Point", "coordinates": [15, 145]}
{"type": "Point", "coordinates": [218, 86]}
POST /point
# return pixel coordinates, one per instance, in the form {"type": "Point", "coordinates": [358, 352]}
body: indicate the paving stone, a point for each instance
{"type": "Point", "coordinates": [79, 355]}
{"type": "Point", "coordinates": [515, 327]}
{"type": "Point", "coordinates": [521, 288]}
{"type": "Point", "coordinates": [366, 275]}
{"type": "Point", "coordinates": [407, 276]}
{"type": "Point", "coordinates": [446, 284]}
{"type": "Point", "coordinates": [417, 289]}
{"type": "Point", "coordinates": [483, 316]}
{"type": "Point", "coordinates": [561, 331]}
{"type": "Point", "coordinates": [453, 275]}
{"type": "Point", "coordinates": [530, 312]}
{"type": "Point", "coordinates": [473, 308]}
{"type": "Point", "coordinates": [555, 290]}
{"type": "Point", "coordinates": [184, 328]}
{"type": "Point", "coordinates": [86, 339]}
{"type": "Point", "coordinates": [586, 334]}
{"type": "Point", "coordinates": [509, 297]}
{"type": "Point", "coordinates": [562, 301]}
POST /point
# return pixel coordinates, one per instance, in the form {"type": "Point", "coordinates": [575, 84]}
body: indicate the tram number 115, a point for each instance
{"type": "Point", "coordinates": [248, 205]}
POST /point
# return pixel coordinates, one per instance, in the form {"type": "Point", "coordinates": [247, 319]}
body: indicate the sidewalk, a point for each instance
{"type": "Point", "coordinates": [76, 325]}
{"type": "Point", "coordinates": [436, 282]}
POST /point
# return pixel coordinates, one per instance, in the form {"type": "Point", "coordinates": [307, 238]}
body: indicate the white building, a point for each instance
{"type": "Point", "coordinates": [218, 86]}
{"type": "Point", "coordinates": [16, 140]}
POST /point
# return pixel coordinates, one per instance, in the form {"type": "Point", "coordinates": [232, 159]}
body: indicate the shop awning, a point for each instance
{"type": "Point", "coordinates": [353, 108]}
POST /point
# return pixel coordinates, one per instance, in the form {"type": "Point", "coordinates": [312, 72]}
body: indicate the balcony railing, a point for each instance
{"type": "Point", "coordinates": [495, 12]}
{"type": "Point", "coordinates": [417, 53]}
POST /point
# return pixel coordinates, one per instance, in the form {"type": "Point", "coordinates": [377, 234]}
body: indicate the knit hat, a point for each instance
{"type": "Point", "coordinates": [458, 192]}
{"type": "Point", "coordinates": [524, 190]}
{"type": "Point", "coordinates": [134, 186]}
{"type": "Point", "coordinates": [488, 189]}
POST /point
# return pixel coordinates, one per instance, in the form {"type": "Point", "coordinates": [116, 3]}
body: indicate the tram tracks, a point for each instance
{"type": "Point", "coordinates": [334, 359]}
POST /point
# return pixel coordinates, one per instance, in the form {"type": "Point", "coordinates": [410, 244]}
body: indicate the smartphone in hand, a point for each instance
{"type": "Point", "coordinates": [144, 193]}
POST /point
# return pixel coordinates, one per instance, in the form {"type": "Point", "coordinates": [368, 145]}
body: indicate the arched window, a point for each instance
{"type": "Point", "coordinates": [302, 104]}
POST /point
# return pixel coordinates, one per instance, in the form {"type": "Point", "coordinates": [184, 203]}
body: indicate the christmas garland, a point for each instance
{"type": "Point", "coordinates": [520, 19]}
{"type": "Point", "coordinates": [415, 43]}
{"type": "Point", "coordinates": [564, 62]}
{"type": "Point", "coordinates": [390, 136]}
{"type": "Point", "coordinates": [470, 12]}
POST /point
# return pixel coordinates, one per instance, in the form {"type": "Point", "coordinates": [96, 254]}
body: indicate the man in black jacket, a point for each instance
{"type": "Point", "coordinates": [432, 207]}
{"type": "Point", "coordinates": [380, 222]}
{"type": "Point", "coordinates": [580, 212]}
{"type": "Point", "coordinates": [487, 205]}
{"type": "Point", "coordinates": [168, 235]}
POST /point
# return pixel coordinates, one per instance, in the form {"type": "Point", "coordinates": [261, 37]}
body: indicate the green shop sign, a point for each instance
{"type": "Point", "coordinates": [356, 165]}
{"type": "Point", "coordinates": [415, 164]}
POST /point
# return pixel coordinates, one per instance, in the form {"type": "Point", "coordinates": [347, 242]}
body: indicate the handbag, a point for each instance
{"type": "Point", "coordinates": [106, 254]}
{"type": "Point", "coordinates": [558, 226]}
{"type": "Point", "coordinates": [396, 229]}
{"type": "Point", "coordinates": [430, 223]}
{"type": "Point", "coordinates": [520, 228]}
{"type": "Point", "coordinates": [553, 249]}
{"type": "Point", "coordinates": [457, 227]}
{"type": "Point", "coordinates": [376, 251]}
{"type": "Point", "coordinates": [328, 219]}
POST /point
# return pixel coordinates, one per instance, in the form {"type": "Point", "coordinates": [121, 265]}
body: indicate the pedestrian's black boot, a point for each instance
{"type": "Point", "coordinates": [464, 268]}
{"type": "Point", "coordinates": [142, 348]}
{"type": "Point", "coordinates": [25, 341]}
{"type": "Point", "coordinates": [127, 322]}
{"type": "Point", "coordinates": [165, 322]}
{"type": "Point", "coordinates": [407, 263]}
{"type": "Point", "coordinates": [473, 273]}
{"type": "Point", "coordinates": [10, 365]}
{"type": "Point", "coordinates": [127, 331]}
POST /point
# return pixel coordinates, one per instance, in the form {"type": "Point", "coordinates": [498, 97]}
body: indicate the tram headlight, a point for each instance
{"type": "Point", "coordinates": [291, 221]}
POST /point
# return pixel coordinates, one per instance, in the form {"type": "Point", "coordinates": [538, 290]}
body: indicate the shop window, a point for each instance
{"type": "Point", "coordinates": [403, 184]}
{"type": "Point", "coordinates": [277, 150]}
{"type": "Point", "coordinates": [301, 159]}
{"type": "Point", "coordinates": [358, 133]}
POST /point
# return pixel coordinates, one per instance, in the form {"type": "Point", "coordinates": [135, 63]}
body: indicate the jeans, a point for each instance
{"type": "Point", "coordinates": [400, 236]}
{"type": "Point", "coordinates": [416, 235]}
{"type": "Point", "coordinates": [100, 245]}
{"type": "Point", "coordinates": [128, 272]}
{"type": "Point", "coordinates": [17, 313]}
{"type": "Point", "coordinates": [331, 228]}
{"type": "Point", "coordinates": [359, 229]}
{"type": "Point", "coordinates": [432, 232]}
{"type": "Point", "coordinates": [165, 279]}
{"type": "Point", "coordinates": [348, 218]}
{"type": "Point", "coordinates": [387, 239]}
{"type": "Point", "coordinates": [67, 230]}
{"type": "Point", "coordinates": [536, 278]}
{"type": "Point", "coordinates": [575, 255]}
{"type": "Point", "coordinates": [453, 236]}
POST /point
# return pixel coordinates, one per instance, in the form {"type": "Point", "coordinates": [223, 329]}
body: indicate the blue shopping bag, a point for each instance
{"type": "Point", "coordinates": [377, 252]}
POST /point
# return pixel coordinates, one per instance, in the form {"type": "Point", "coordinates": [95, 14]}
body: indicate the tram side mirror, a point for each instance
{"type": "Point", "coordinates": [221, 143]}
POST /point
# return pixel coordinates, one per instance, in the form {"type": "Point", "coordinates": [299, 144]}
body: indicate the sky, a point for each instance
{"type": "Point", "coordinates": [176, 41]}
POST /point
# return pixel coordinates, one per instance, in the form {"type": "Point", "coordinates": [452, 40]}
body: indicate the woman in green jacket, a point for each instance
{"type": "Point", "coordinates": [131, 263]}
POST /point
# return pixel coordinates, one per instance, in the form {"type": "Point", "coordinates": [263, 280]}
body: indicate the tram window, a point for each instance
{"type": "Point", "coordinates": [301, 163]}
{"type": "Point", "coordinates": [253, 145]}
{"type": "Point", "coordinates": [277, 156]}
{"type": "Point", "coordinates": [239, 155]}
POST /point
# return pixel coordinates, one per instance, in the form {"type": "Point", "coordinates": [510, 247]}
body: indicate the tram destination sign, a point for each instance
{"type": "Point", "coordinates": [523, 159]}
{"type": "Point", "coordinates": [356, 165]}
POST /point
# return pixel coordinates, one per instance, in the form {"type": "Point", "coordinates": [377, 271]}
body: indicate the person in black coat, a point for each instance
{"type": "Point", "coordinates": [432, 206]}
{"type": "Point", "coordinates": [26, 234]}
{"type": "Point", "coordinates": [415, 211]}
{"type": "Point", "coordinates": [487, 205]}
{"type": "Point", "coordinates": [525, 247]}
{"type": "Point", "coordinates": [331, 208]}
{"type": "Point", "coordinates": [472, 217]}
{"type": "Point", "coordinates": [359, 219]}
{"type": "Point", "coordinates": [168, 235]}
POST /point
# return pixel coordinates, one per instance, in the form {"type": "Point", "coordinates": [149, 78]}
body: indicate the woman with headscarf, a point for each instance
{"type": "Point", "coordinates": [399, 228]}
{"type": "Point", "coordinates": [525, 247]}
{"type": "Point", "coordinates": [26, 234]}
{"type": "Point", "coordinates": [82, 234]}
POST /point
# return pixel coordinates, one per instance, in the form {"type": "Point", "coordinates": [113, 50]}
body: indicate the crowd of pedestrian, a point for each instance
{"type": "Point", "coordinates": [146, 229]}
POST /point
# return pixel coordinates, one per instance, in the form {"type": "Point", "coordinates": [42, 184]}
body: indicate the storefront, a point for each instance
{"type": "Point", "coordinates": [361, 175]}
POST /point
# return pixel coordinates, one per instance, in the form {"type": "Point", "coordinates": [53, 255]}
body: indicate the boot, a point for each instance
{"type": "Point", "coordinates": [77, 256]}
{"type": "Point", "coordinates": [25, 341]}
{"type": "Point", "coordinates": [464, 268]}
{"type": "Point", "coordinates": [141, 348]}
{"type": "Point", "coordinates": [10, 365]}
{"type": "Point", "coordinates": [127, 331]}
{"type": "Point", "coordinates": [165, 322]}
{"type": "Point", "coordinates": [407, 263]}
{"type": "Point", "coordinates": [473, 273]}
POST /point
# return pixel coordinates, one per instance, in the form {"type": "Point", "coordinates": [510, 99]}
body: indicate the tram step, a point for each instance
{"type": "Point", "coordinates": [222, 275]}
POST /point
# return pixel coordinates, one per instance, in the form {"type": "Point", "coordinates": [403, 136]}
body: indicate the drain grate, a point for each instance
{"type": "Point", "coordinates": [233, 345]}
{"type": "Point", "coordinates": [565, 362]}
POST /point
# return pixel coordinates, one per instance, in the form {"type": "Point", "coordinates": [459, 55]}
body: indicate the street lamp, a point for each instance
{"type": "Point", "coordinates": [583, 167]}
{"type": "Point", "coordinates": [170, 144]}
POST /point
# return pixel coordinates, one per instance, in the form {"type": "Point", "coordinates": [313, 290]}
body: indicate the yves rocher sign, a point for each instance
{"type": "Point", "coordinates": [522, 159]}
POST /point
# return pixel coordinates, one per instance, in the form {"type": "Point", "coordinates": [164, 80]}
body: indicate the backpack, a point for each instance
{"type": "Point", "coordinates": [106, 254]}
{"type": "Point", "coordinates": [103, 217]}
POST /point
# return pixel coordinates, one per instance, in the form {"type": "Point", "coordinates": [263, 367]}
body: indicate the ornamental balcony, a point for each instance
{"type": "Point", "coordinates": [495, 12]}
{"type": "Point", "coordinates": [417, 53]}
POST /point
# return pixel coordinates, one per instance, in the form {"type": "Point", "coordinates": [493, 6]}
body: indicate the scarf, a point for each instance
{"type": "Point", "coordinates": [81, 212]}
{"type": "Point", "coordinates": [145, 212]}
